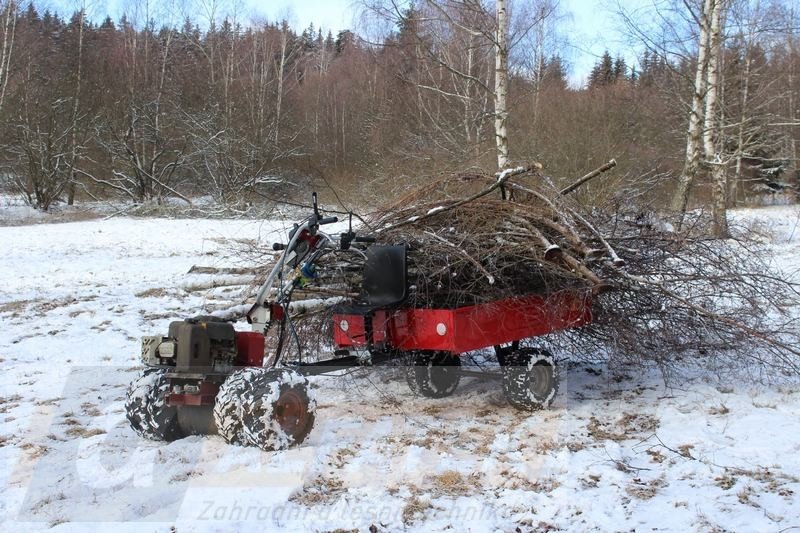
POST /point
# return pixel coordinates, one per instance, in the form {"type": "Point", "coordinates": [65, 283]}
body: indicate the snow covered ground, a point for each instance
{"type": "Point", "coordinates": [619, 451]}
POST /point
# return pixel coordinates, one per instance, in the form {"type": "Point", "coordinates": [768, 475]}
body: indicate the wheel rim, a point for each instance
{"type": "Point", "coordinates": [290, 412]}
{"type": "Point", "coordinates": [443, 376]}
{"type": "Point", "coordinates": [541, 380]}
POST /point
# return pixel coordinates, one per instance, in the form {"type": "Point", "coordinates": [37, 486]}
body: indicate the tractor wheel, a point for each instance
{"type": "Point", "coordinates": [230, 404]}
{"type": "Point", "coordinates": [530, 379]}
{"type": "Point", "coordinates": [434, 375]}
{"type": "Point", "coordinates": [280, 411]}
{"type": "Point", "coordinates": [146, 407]}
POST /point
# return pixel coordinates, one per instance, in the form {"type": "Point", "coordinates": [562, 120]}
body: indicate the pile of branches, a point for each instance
{"type": "Point", "coordinates": [660, 293]}
{"type": "Point", "coordinates": [504, 240]}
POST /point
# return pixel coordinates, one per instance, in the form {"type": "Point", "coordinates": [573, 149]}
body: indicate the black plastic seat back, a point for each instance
{"type": "Point", "coordinates": [385, 276]}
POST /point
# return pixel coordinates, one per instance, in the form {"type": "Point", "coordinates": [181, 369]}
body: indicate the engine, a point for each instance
{"type": "Point", "coordinates": [202, 344]}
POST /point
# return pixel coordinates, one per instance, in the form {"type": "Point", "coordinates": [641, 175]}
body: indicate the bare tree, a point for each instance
{"type": "Point", "coordinates": [40, 151]}
{"type": "Point", "coordinates": [286, 54]}
{"type": "Point", "coordinates": [452, 73]}
{"type": "Point", "coordinates": [8, 25]}
{"type": "Point", "coordinates": [694, 131]}
{"type": "Point", "coordinates": [792, 75]}
{"type": "Point", "coordinates": [501, 84]}
{"type": "Point", "coordinates": [142, 137]}
{"type": "Point", "coordinates": [76, 103]}
{"type": "Point", "coordinates": [754, 97]}
{"type": "Point", "coordinates": [711, 129]}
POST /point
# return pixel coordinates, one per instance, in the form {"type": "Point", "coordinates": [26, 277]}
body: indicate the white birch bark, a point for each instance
{"type": "Point", "coordinates": [9, 23]}
{"type": "Point", "coordinates": [280, 72]}
{"type": "Point", "coordinates": [711, 126]}
{"type": "Point", "coordinates": [501, 85]}
{"type": "Point", "coordinates": [733, 188]}
{"type": "Point", "coordinates": [693, 132]}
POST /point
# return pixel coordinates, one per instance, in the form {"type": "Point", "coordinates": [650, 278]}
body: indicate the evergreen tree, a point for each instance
{"type": "Point", "coordinates": [555, 73]}
{"type": "Point", "coordinates": [344, 39]}
{"type": "Point", "coordinates": [620, 70]}
{"type": "Point", "coordinates": [603, 72]}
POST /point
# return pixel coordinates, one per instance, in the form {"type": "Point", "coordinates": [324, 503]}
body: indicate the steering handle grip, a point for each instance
{"type": "Point", "coordinates": [277, 246]}
{"type": "Point", "coordinates": [327, 220]}
{"type": "Point", "coordinates": [366, 239]}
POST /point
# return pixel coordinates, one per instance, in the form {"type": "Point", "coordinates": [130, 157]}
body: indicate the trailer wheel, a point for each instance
{"type": "Point", "coordinates": [280, 411]}
{"type": "Point", "coordinates": [434, 375]}
{"type": "Point", "coordinates": [146, 407]}
{"type": "Point", "coordinates": [530, 379]}
{"type": "Point", "coordinates": [230, 404]}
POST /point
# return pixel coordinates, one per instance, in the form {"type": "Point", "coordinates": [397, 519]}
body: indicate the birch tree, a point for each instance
{"type": "Point", "coordinates": [704, 128]}
{"type": "Point", "coordinates": [714, 158]}
{"type": "Point", "coordinates": [501, 84]}
{"type": "Point", "coordinates": [8, 25]}
{"type": "Point", "coordinates": [694, 129]}
{"type": "Point", "coordinates": [286, 53]}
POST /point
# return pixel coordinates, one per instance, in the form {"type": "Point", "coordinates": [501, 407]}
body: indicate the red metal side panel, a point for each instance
{"type": "Point", "coordinates": [380, 326]}
{"type": "Point", "coordinates": [249, 348]}
{"type": "Point", "coordinates": [424, 329]}
{"type": "Point", "coordinates": [350, 330]}
{"type": "Point", "coordinates": [515, 319]}
{"type": "Point", "coordinates": [479, 326]}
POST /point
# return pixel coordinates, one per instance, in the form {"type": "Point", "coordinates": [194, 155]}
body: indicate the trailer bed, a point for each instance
{"type": "Point", "coordinates": [467, 328]}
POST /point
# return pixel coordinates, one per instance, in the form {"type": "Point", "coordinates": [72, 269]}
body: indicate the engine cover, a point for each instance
{"type": "Point", "coordinates": [199, 343]}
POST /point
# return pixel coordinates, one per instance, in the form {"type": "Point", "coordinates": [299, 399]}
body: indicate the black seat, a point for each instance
{"type": "Point", "coordinates": [385, 281]}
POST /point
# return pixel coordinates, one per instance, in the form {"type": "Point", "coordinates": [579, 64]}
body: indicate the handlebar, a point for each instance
{"type": "Point", "coordinates": [327, 220]}
{"type": "Point", "coordinates": [365, 239]}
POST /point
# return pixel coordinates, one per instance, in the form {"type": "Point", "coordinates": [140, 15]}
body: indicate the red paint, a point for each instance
{"type": "Point", "coordinates": [356, 329]}
{"type": "Point", "coordinates": [471, 327]}
{"type": "Point", "coordinates": [276, 313]}
{"type": "Point", "coordinates": [249, 348]}
{"type": "Point", "coordinates": [350, 334]}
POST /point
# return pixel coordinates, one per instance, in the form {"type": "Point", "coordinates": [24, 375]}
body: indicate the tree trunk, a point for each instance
{"type": "Point", "coordinates": [693, 133]}
{"type": "Point", "coordinates": [733, 188]}
{"type": "Point", "coordinates": [280, 73]}
{"type": "Point", "coordinates": [75, 110]}
{"type": "Point", "coordinates": [467, 101]}
{"type": "Point", "coordinates": [711, 127]}
{"type": "Point", "coordinates": [9, 22]}
{"type": "Point", "coordinates": [794, 168]}
{"type": "Point", "coordinates": [501, 85]}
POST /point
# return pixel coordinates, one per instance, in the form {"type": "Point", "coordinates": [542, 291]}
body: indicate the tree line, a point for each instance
{"type": "Point", "coordinates": [145, 108]}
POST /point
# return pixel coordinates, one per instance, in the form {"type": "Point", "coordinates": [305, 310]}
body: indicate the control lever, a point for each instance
{"type": "Point", "coordinates": [348, 238]}
{"type": "Point", "coordinates": [345, 239]}
{"type": "Point", "coordinates": [314, 201]}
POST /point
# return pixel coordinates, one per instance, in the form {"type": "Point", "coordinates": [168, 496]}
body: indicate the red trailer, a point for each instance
{"type": "Point", "coordinates": [435, 338]}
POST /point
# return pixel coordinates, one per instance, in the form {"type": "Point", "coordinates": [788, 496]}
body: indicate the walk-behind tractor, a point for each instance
{"type": "Point", "coordinates": [205, 377]}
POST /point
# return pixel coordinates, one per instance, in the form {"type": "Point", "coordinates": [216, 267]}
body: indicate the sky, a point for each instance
{"type": "Point", "coordinates": [590, 25]}
{"type": "Point", "coordinates": [595, 29]}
